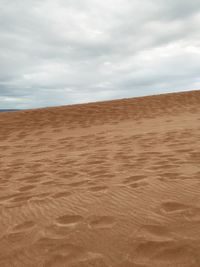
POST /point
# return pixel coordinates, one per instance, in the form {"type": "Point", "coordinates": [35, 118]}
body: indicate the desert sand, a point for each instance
{"type": "Point", "coordinates": [113, 183]}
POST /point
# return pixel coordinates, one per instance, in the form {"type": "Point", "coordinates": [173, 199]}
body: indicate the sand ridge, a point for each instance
{"type": "Point", "coordinates": [112, 183]}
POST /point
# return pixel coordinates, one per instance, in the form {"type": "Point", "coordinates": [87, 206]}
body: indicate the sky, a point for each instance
{"type": "Point", "coordinates": [60, 52]}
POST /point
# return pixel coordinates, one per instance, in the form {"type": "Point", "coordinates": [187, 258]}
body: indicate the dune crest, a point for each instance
{"type": "Point", "coordinates": [112, 183]}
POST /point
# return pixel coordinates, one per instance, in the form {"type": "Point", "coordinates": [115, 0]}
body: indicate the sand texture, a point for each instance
{"type": "Point", "coordinates": [114, 183]}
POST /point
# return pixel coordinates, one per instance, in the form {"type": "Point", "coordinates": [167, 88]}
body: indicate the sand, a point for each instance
{"type": "Point", "coordinates": [114, 183]}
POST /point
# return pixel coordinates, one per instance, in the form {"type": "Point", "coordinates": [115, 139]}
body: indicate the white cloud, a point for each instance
{"type": "Point", "coordinates": [56, 52]}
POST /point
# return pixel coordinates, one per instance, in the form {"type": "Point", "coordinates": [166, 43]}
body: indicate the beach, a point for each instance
{"type": "Point", "coordinates": [105, 184]}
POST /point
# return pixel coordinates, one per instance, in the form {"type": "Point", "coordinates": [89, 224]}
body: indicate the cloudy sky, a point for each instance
{"type": "Point", "coordinates": [57, 52]}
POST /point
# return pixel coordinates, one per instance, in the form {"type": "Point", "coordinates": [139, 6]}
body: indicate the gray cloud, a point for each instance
{"type": "Point", "coordinates": [56, 52]}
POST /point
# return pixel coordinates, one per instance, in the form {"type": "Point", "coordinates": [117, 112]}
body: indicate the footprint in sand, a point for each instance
{"type": "Point", "coordinates": [21, 198]}
{"type": "Point", "coordinates": [15, 204]}
{"type": "Point", "coordinates": [91, 259]}
{"type": "Point", "coordinates": [26, 188]}
{"type": "Point", "coordinates": [155, 231]}
{"type": "Point", "coordinates": [63, 254]}
{"type": "Point", "coordinates": [30, 180]}
{"type": "Point", "coordinates": [15, 199]}
{"type": "Point", "coordinates": [24, 226]}
{"type": "Point", "coordinates": [176, 253]}
{"type": "Point", "coordinates": [129, 263]}
{"type": "Point", "coordinates": [172, 206]}
{"type": "Point", "coordinates": [134, 178]}
{"type": "Point", "coordinates": [164, 250]}
{"type": "Point", "coordinates": [98, 222]}
{"type": "Point", "coordinates": [61, 194]}
{"type": "Point", "coordinates": [170, 176]}
{"type": "Point", "coordinates": [138, 185]}
{"type": "Point", "coordinates": [7, 198]}
{"type": "Point", "coordinates": [58, 230]}
{"type": "Point", "coordinates": [40, 198]}
{"type": "Point", "coordinates": [15, 237]}
{"type": "Point", "coordinates": [98, 188]}
{"type": "Point", "coordinates": [45, 244]}
{"type": "Point", "coordinates": [69, 219]}
{"type": "Point", "coordinates": [48, 183]}
{"type": "Point", "coordinates": [193, 214]}
{"type": "Point", "coordinates": [21, 234]}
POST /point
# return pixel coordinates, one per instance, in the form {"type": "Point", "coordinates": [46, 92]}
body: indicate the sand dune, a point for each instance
{"type": "Point", "coordinates": [114, 183]}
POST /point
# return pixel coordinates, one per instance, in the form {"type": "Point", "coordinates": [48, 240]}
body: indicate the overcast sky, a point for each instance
{"type": "Point", "coordinates": [57, 52]}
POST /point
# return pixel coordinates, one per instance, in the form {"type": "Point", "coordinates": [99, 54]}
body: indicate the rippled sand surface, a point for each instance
{"type": "Point", "coordinates": [114, 183]}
